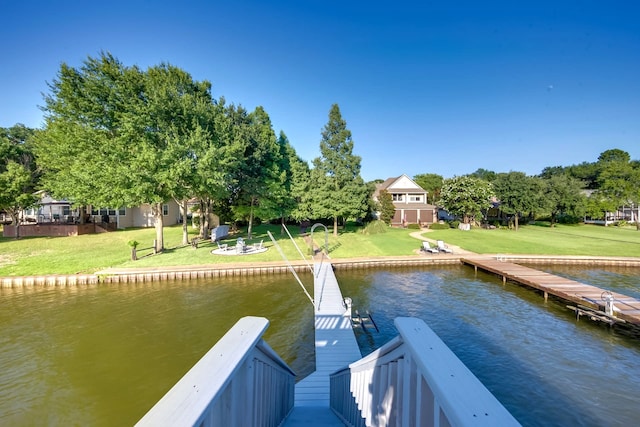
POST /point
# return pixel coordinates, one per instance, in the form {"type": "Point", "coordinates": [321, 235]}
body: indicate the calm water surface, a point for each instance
{"type": "Point", "coordinates": [104, 355]}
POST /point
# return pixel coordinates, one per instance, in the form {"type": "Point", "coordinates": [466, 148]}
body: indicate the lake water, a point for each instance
{"type": "Point", "coordinates": [103, 355]}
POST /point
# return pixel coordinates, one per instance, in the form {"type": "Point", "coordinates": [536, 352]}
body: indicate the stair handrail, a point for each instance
{"type": "Point", "coordinates": [239, 381]}
{"type": "Point", "coordinates": [415, 379]}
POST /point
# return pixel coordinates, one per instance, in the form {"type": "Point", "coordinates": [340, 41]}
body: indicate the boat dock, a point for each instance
{"type": "Point", "coordinates": [625, 308]}
{"type": "Point", "coordinates": [335, 346]}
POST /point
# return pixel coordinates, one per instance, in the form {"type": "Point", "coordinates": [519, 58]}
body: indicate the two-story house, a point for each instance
{"type": "Point", "coordinates": [410, 201]}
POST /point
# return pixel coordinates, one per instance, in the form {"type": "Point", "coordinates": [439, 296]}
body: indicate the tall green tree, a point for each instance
{"type": "Point", "coordinates": [619, 181]}
{"type": "Point", "coordinates": [301, 189]}
{"type": "Point", "coordinates": [18, 172]}
{"type": "Point", "coordinates": [431, 182]}
{"type": "Point", "coordinates": [118, 136]}
{"type": "Point", "coordinates": [562, 194]}
{"type": "Point", "coordinates": [283, 201]}
{"type": "Point", "coordinates": [517, 193]}
{"type": "Point", "coordinates": [466, 197]}
{"type": "Point", "coordinates": [259, 180]}
{"type": "Point", "coordinates": [338, 189]}
{"type": "Point", "coordinates": [215, 159]}
{"type": "Point", "coordinates": [484, 174]}
{"type": "Point", "coordinates": [386, 207]}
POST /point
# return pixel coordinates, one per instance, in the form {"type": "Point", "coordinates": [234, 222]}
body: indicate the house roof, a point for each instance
{"type": "Point", "coordinates": [400, 184]}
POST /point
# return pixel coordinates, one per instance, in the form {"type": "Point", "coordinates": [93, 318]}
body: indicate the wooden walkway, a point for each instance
{"type": "Point", "coordinates": [336, 347]}
{"type": "Point", "coordinates": [626, 308]}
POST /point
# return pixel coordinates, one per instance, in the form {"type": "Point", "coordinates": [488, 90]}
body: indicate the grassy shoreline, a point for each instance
{"type": "Point", "coordinates": [90, 253]}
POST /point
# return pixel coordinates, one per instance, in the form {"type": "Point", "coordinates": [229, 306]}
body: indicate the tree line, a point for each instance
{"type": "Point", "coordinates": [119, 136]}
{"type": "Point", "coordinates": [586, 189]}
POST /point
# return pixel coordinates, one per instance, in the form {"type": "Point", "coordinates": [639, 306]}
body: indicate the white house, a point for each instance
{"type": "Point", "coordinates": [51, 210]}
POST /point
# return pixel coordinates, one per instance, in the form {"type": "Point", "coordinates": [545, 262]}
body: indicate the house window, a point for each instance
{"type": "Point", "coordinates": [122, 211]}
{"type": "Point", "coordinates": [165, 209]}
{"type": "Point", "coordinates": [397, 197]}
{"type": "Point", "coordinates": [66, 210]}
{"type": "Point", "coordinates": [415, 198]}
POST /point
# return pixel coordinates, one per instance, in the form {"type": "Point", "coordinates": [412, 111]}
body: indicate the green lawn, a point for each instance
{"type": "Point", "coordinates": [541, 239]}
{"type": "Point", "coordinates": [90, 253]}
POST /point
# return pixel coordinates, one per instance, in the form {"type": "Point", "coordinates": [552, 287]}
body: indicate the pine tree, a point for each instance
{"type": "Point", "coordinates": [338, 190]}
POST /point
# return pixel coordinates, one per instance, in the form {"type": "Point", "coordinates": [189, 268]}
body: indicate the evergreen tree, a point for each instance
{"type": "Point", "coordinates": [386, 207]}
{"type": "Point", "coordinates": [338, 189]}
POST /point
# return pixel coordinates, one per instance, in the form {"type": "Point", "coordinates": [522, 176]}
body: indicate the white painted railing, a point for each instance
{"type": "Point", "coordinates": [414, 380]}
{"type": "Point", "coordinates": [241, 381]}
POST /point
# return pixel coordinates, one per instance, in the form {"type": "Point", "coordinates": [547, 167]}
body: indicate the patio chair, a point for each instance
{"type": "Point", "coordinates": [258, 246]}
{"type": "Point", "coordinates": [443, 248]}
{"type": "Point", "coordinates": [427, 248]}
{"type": "Point", "coordinates": [222, 247]}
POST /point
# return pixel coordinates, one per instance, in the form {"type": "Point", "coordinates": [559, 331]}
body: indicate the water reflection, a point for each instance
{"type": "Point", "coordinates": [102, 355]}
{"type": "Point", "coordinates": [545, 367]}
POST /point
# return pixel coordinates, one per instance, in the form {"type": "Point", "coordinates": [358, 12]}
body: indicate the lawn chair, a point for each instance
{"type": "Point", "coordinates": [258, 246]}
{"type": "Point", "coordinates": [427, 248]}
{"type": "Point", "coordinates": [443, 248]}
{"type": "Point", "coordinates": [222, 247]}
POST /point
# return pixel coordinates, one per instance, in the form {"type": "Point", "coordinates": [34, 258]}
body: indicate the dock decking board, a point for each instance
{"type": "Point", "coordinates": [567, 289]}
{"type": "Point", "coordinates": [335, 342]}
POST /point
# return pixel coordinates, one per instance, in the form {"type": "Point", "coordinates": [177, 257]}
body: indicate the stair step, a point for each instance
{"type": "Point", "coordinates": [312, 416]}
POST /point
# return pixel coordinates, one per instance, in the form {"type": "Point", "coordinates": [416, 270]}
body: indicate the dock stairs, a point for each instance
{"type": "Point", "coordinates": [336, 347]}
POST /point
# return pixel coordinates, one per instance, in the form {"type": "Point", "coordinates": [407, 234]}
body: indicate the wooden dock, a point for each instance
{"type": "Point", "coordinates": [626, 308]}
{"type": "Point", "coordinates": [336, 347]}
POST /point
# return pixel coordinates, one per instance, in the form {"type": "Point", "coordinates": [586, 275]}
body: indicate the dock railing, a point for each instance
{"type": "Point", "coordinates": [241, 381]}
{"type": "Point", "coordinates": [414, 380]}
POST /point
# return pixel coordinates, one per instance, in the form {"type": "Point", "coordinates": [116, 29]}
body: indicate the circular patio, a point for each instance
{"type": "Point", "coordinates": [249, 250]}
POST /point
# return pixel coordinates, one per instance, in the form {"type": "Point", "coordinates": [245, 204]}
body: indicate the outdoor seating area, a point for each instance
{"type": "Point", "coordinates": [240, 248]}
{"type": "Point", "coordinates": [443, 248]}
{"type": "Point", "coordinates": [426, 246]}
{"type": "Point", "coordinates": [440, 247]}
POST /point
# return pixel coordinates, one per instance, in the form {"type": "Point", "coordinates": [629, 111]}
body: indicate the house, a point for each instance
{"type": "Point", "coordinates": [62, 211]}
{"type": "Point", "coordinates": [410, 201]}
{"type": "Point", "coordinates": [50, 214]}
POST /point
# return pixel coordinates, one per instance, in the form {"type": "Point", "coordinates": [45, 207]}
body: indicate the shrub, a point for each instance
{"type": "Point", "coordinates": [569, 219]}
{"type": "Point", "coordinates": [413, 226]}
{"type": "Point", "coordinates": [438, 226]}
{"type": "Point", "coordinates": [454, 224]}
{"type": "Point", "coordinates": [375, 227]}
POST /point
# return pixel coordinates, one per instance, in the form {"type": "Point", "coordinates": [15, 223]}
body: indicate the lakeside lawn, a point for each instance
{"type": "Point", "coordinates": [91, 253]}
{"type": "Point", "coordinates": [540, 239]}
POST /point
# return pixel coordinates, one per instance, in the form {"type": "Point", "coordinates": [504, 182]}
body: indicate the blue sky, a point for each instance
{"type": "Point", "coordinates": [425, 87]}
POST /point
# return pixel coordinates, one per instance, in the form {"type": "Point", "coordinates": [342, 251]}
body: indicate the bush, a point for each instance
{"type": "Point", "coordinates": [413, 226]}
{"type": "Point", "coordinates": [438, 226]}
{"type": "Point", "coordinates": [375, 227]}
{"type": "Point", "coordinates": [454, 224]}
{"type": "Point", "coordinates": [569, 219]}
